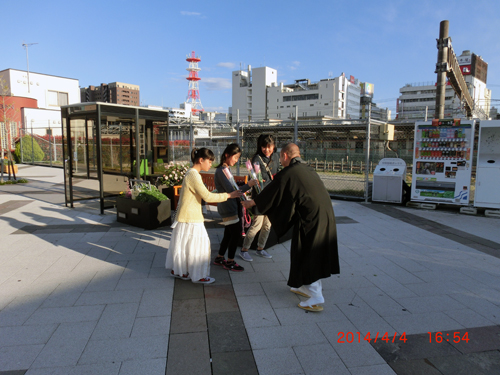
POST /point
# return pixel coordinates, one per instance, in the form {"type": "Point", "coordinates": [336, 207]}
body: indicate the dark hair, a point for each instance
{"type": "Point", "coordinates": [203, 153]}
{"type": "Point", "coordinates": [263, 141]}
{"type": "Point", "coordinates": [230, 150]}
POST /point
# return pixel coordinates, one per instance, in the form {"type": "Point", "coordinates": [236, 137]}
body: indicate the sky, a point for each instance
{"type": "Point", "coordinates": [388, 43]}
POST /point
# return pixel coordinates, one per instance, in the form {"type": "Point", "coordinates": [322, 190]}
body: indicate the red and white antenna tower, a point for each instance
{"type": "Point", "coordinates": [193, 97]}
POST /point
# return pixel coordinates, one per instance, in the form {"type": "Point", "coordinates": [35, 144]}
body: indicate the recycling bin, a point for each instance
{"type": "Point", "coordinates": [388, 180]}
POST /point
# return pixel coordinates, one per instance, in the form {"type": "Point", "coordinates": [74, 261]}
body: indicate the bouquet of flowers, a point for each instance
{"type": "Point", "coordinates": [231, 180]}
{"type": "Point", "coordinates": [256, 166]}
{"type": "Point", "coordinates": [252, 174]}
{"type": "Point", "coordinates": [174, 174]}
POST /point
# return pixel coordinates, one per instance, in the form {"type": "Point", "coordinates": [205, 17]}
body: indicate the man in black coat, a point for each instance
{"type": "Point", "coordinates": [298, 198]}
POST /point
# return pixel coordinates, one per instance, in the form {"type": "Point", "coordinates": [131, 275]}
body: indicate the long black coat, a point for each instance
{"type": "Point", "coordinates": [297, 197]}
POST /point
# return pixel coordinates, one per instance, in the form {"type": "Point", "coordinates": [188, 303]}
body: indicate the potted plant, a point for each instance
{"type": "Point", "coordinates": [143, 206]}
{"type": "Point", "coordinates": [173, 177]}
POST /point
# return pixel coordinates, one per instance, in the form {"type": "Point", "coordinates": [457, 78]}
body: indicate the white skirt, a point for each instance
{"type": "Point", "coordinates": [189, 251]}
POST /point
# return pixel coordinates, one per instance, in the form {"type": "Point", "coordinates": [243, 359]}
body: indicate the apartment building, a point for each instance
{"type": "Point", "coordinates": [257, 96]}
{"type": "Point", "coordinates": [114, 92]}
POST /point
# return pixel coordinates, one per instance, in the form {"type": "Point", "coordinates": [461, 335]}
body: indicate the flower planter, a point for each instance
{"type": "Point", "coordinates": [142, 214]}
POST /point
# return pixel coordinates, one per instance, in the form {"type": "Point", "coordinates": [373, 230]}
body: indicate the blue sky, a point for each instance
{"type": "Point", "coordinates": [387, 43]}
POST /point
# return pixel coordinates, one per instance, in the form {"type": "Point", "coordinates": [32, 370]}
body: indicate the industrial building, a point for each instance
{"type": "Point", "coordinates": [418, 101]}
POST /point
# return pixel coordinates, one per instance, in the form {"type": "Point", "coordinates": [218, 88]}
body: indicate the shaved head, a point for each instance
{"type": "Point", "coordinates": [291, 150]}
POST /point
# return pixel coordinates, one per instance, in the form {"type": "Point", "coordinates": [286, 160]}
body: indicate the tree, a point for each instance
{"type": "Point", "coordinates": [31, 149]}
{"type": "Point", "coordinates": [7, 111]}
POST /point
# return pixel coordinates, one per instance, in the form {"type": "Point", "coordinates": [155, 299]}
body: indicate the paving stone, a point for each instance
{"type": "Point", "coordinates": [415, 347]}
{"type": "Point", "coordinates": [188, 315]}
{"type": "Point", "coordinates": [414, 367]}
{"type": "Point", "coordinates": [220, 298]}
{"type": "Point", "coordinates": [483, 363]}
{"type": "Point", "coordinates": [197, 360]}
{"type": "Point", "coordinates": [238, 362]}
{"type": "Point", "coordinates": [227, 332]}
{"type": "Point", "coordinates": [480, 339]}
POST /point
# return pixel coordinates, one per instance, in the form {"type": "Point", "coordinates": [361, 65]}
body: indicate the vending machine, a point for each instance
{"type": "Point", "coordinates": [487, 194]}
{"type": "Point", "coordinates": [442, 161]}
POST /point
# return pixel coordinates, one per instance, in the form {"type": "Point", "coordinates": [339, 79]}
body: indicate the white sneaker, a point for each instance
{"type": "Point", "coordinates": [206, 280]}
{"type": "Point", "coordinates": [245, 256]}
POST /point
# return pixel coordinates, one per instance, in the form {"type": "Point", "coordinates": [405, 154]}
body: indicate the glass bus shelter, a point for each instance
{"type": "Point", "coordinates": [102, 144]}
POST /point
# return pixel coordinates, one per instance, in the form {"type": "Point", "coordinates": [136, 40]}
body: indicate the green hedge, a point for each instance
{"type": "Point", "coordinates": [29, 145]}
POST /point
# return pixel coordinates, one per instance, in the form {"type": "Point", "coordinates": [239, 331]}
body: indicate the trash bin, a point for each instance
{"type": "Point", "coordinates": [388, 180]}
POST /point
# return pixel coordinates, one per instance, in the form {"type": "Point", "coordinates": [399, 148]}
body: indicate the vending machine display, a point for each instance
{"type": "Point", "coordinates": [442, 161]}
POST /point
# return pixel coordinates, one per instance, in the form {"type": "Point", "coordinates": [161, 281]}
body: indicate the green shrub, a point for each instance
{"type": "Point", "coordinates": [151, 195]}
{"type": "Point", "coordinates": [29, 145]}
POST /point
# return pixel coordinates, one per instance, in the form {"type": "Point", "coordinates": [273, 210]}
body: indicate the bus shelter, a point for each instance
{"type": "Point", "coordinates": [106, 144]}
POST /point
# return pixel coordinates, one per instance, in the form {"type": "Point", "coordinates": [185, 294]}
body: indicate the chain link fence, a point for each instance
{"type": "Point", "coordinates": [343, 152]}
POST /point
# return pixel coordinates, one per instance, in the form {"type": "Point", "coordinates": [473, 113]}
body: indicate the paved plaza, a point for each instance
{"type": "Point", "coordinates": [83, 294]}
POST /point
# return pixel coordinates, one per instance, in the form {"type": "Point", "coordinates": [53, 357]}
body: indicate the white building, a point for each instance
{"type": "Point", "coordinates": [50, 92]}
{"type": "Point", "coordinates": [257, 96]}
{"type": "Point", "coordinates": [417, 99]}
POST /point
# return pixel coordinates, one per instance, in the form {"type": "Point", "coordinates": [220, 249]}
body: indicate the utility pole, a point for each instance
{"type": "Point", "coordinates": [442, 68]}
{"type": "Point", "coordinates": [26, 45]}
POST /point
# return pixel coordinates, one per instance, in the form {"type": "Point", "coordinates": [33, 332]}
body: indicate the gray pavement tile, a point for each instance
{"type": "Point", "coordinates": [188, 315]}
{"type": "Point", "coordinates": [198, 360]}
{"type": "Point", "coordinates": [156, 302]}
{"type": "Point", "coordinates": [277, 361]}
{"type": "Point", "coordinates": [109, 297]}
{"type": "Point", "coordinates": [137, 269]}
{"type": "Point", "coordinates": [116, 321]}
{"type": "Point", "coordinates": [65, 346]}
{"type": "Point", "coordinates": [145, 283]}
{"type": "Point", "coordinates": [468, 318]}
{"type": "Point", "coordinates": [19, 357]}
{"type": "Point", "coordinates": [357, 354]}
{"type": "Point", "coordinates": [26, 335]}
{"type": "Point", "coordinates": [240, 362]}
{"type": "Point", "coordinates": [364, 318]}
{"type": "Point", "coordinates": [478, 304]}
{"type": "Point", "coordinates": [256, 277]}
{"type": "Point", "coordinates": [251, 289]}
{"type": "Point", "coordinates": [154, 366]}
{"type": "Point", "coordinates": [104, 280]}
{"type": "Point", "coordinates": [101, 368]}
{"type": "Point", "coordinates": [320, 359]}
{"type": "Point", "coordinates": [257, 311]}
{"type": "Point", "coordinates": [157, 325]}
{"type": "Point", "coordinates": [426, 322]}
{"type": "Point", "coordinates": [279, 294]}
{"type": "Point", "coordinates": [127, 349]}
{"type": "Point", "coordinates": [380, 302]}
{"type": "Point", "coordinates": [485, 363]}
{"type": "Point", "coordinates": [220, 298]}
{"type": "Point", "coordinates": [19, 311]}
{"type": "Point", "coordinates": [372, 370]}
{"type": "Point", "coordinates": [418, 305]}
{"type": "Point", "coordinates": [414, 367]}
{"type": "Point", "coordinates": [65, 314]}
{"type": "Point", "coordinates": [227, 332]}
{"type": "Point", "coordinates": [285, 336]}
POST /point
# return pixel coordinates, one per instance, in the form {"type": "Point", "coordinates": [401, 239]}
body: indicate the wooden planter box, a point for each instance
{"type": "Point", "coordinates": [9, 168]}
{"type": "Point", "coordinates": [142, 214]}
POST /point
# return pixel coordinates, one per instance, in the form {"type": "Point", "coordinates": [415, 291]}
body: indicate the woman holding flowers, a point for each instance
{"type": "Point", "coordinates": [189, 251]}
{"type": "Point", "coordinates": [267, 160]}
{"type": "Point", "coordinates": [230, 210]}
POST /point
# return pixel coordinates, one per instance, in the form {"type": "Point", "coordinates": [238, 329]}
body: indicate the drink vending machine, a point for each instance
{"type": "Point", "coordinates": [442, 161]}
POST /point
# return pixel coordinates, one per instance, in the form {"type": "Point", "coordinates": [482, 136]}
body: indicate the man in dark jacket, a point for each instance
{"type": "Point", "coordinates": [298, 198]}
